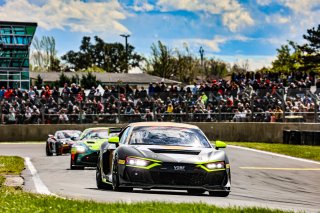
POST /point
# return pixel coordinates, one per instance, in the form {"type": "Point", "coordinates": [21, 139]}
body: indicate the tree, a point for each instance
{"type": "Point", "coordinates": [284, 62]}
{"type": "Point", "coordinates": [311, 50]}
{"type": "Point", "coordinates": [289, 59]}
{"type": "Point", "coordinates": [75, 79]}
{"type": "Point", "coordinates": [37, 54]}
{"type": "Point", "coordinates": [44, 54]}
{"type": "Point", "coordinates": [245, 65]}
{"type": "Point", "coordinates": [110, 57]}
{"type": "Point", "coordinates": [187, 66]}
{"type": "Point", "coordinates": [215, 68]}
{"type": "Point", "coordinates": [89, 80]}
{"type": "Point", "coordinates": [63, 79]}
{"type": "Point", "coordinates": [162, 62]}
{"type": "Point", "coordinates": [39, 81]}
{"type": "Point", "coordinates": [54, 64]}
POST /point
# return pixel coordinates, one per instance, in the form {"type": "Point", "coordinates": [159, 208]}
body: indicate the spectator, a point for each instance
{"type": "Point", "coordinates": [148, 116]}
{"type": "Point", "coordinates": [151, 89]}
{"type": "Point", "coordinates": [92, 93]}
{"type": "Point", "coordinates": [11, 115]}
{"type": "Point", "coordinates": [28, 115]}
{"type": "Point", "coordinates": [65, 92]}
{"type": "Point", "coordinates": [55, 94]}
{"type": "Point", "coordinates": [97, 95]}
{"type": "Point", "coordinates": [2, 91]}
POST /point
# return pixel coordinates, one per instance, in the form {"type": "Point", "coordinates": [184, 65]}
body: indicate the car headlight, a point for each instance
{"type": "Point", "coordinates": [215, 165]}
{"type": "Point", "coordinates": [137, 162]}
{"type": "Point", "coordinates": [80, 149]}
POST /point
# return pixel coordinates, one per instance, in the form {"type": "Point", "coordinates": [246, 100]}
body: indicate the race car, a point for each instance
{"type": "Point", "coordinates": [152, 155]}
{"type": "Point", "coordinates": [61, 142]}
{"type": "Point", "coordinates": [84, 153]}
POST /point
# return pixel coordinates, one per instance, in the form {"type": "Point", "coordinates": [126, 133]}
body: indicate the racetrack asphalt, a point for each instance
{"type": "Point", "coordinates": [258, 179]}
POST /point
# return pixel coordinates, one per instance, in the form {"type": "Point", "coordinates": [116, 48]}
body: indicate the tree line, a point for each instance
{"type": "Point", "coordinates": [293, 58]}
{"type": "Point", "coordinates": [96, 55]}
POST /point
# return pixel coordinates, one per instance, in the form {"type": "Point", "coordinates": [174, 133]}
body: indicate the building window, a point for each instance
{"type": "Point", "coordinates": [24, 75]}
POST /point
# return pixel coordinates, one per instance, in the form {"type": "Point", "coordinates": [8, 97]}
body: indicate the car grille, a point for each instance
{"type": "Point", "coordinates": [181, 178]}
{"type": "Point", "coordinates": [91, 158]}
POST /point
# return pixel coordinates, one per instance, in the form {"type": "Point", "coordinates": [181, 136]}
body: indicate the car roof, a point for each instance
{"type": "Point", "coordinates": [68, 130]}
{"type": "Point", "coordinates": [95, 128]}
{"type": "Point", "coordinates": [170, 124]}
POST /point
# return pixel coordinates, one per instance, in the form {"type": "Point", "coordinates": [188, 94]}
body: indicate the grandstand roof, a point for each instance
{"type": "Point", "coordinates": [106, 78]}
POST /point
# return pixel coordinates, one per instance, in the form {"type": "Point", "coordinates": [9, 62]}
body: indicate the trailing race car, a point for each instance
{"type": "Point", "coordinates": [163, 155]}
{"type": "Point", "coordinates": [84, 153]}
{"type": "Point", "coordinates": [61, 142]}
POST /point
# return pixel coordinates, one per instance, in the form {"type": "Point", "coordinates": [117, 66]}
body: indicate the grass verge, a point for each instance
{"type": "Point", "coordinates": [14, 200]}
{"type": "Point", "coordinates": [35, 203]}
{"type": "Point", "coordinates": [22, 142]}
{"type": "Point", "coordinates": [300, 151]}
{"type": "Point", "coordinates": [11, 165]}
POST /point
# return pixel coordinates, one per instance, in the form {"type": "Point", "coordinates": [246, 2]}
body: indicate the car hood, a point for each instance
{"type": "Point", "coordinates": [67, 141]}
{"type": "Point", "coordinates": [93, 144]}
{"type": "Point", "coordinates": [179, 154]}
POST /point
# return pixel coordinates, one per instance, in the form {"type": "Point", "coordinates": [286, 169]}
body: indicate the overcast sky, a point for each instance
{"type": "Point", "coordinates": [231, 30]}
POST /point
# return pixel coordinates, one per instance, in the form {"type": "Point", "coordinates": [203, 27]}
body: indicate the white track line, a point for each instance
{"type": "Point", "coordinates": [275, 154]}
{"type": "Point", "coordinates": [40, 187]}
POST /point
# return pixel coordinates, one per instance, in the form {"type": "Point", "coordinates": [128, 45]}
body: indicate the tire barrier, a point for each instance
{"type": "Point", "coordinates": [304, 137]}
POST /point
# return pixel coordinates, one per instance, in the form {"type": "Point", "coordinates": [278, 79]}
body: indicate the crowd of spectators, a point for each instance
{"type": "Point", "coordinates": [260, 98]}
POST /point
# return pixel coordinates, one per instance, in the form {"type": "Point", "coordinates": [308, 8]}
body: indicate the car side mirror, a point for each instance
{"type": "Point", "coordinates": [114, 140]}
{"type": "Point", "coordinates": [220, 145]}
{"type": "Point", "coordinates": [75, 138]}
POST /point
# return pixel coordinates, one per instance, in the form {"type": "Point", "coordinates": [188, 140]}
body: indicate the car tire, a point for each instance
{"type": "Point", "coordinates": [73, 167]}
{"type": "Point", "coordinates": [58, 149]}
{"type": "Point", "coordinates": [115, 180]}
{"type": "Point", "coordinates": [115, 177]}
{"type": "Point", "coordinates": [100, 183]}
{"type": "Point", "coordinates": [48, 151]}
{"type": "Point", "coordinates": [196, 191]}
{"type": "Point", "coordinates": [219, 193]}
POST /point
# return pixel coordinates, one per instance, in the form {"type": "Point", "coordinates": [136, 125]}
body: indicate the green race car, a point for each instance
{"type": "Point", "coordinates": [84, 153]}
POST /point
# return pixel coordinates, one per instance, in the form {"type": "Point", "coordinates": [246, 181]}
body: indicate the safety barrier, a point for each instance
{"type": "Point", "coordinates": [227, 131]}
{"type": "Point", "coordinates": [304, 137]}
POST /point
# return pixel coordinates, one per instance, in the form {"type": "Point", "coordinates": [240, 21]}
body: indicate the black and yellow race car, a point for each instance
{"type": "Point", "coordinates": [84, 153]}
{"type": "Point", "coordinates": [152, 155]}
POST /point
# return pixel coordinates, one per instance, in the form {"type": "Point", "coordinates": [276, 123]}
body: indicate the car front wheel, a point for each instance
{"type": "Point", "coordinates": [48, 151]}
{"type": "Point", "coordinates": [100, 183]}
{"type": "Point", "coordinates": [115, 180]}
{"type": "Point", "coordinates": [74, 167]}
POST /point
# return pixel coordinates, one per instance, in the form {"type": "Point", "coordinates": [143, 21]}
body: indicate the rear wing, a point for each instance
{"type": "Point", "coordinates": [115, 130]}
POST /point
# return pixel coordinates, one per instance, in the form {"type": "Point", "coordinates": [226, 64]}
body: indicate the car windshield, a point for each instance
{"type": "Point", "coordinates": [70, 134]}
{"type": "Point", "coordinates": [98, 134]}
{"type": "Point", "coordinates": [169, 136]}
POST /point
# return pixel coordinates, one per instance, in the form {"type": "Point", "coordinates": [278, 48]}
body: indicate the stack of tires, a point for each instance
{"type": "Point", "coordinates": [296, 137]}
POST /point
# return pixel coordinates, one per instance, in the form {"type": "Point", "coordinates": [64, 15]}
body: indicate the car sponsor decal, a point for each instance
{"type": "Point", "coordinates": [121, 161]}
{"type": "Point", "coordinates": [179, 168]}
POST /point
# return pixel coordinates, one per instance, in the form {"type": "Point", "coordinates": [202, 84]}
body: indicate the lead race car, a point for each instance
{"type": "Point", "coordinates": [84, 152]}
{"type": "Point", "coordinates": [152, 155]}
